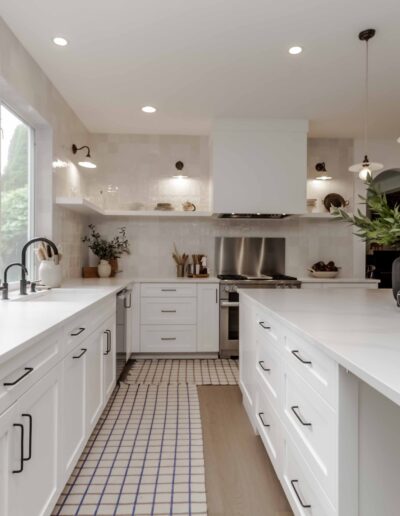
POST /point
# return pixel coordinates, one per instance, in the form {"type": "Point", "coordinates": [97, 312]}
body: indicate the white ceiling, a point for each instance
{"type": "Point", "coordinates": [197, 60]}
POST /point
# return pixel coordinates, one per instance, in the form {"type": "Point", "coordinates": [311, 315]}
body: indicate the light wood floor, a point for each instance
{"type": "Point", "coordinates": [240, 479]}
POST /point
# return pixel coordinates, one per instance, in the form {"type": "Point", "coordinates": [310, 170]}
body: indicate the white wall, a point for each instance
{"type": "Point", "coordinates": [28, 90]}
{"type": "Point", "coordinates": [307, 241]}
{"type": "Point", "coordinates": [141, 166]}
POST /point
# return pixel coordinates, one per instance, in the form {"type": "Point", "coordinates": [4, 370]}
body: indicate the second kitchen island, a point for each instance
{"type": "Point", "coordinates": [319, 375]}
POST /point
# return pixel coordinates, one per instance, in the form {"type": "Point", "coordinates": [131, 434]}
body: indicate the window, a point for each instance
{"type": "Point", "coordinates": [16, 188]}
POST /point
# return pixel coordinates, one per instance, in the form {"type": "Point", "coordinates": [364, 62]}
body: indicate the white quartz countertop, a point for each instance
{"type": "Point", "coordinates": [24, 322]}
{"type": "Point", "coordinates": [309, 279]}
{"type": "Point", "coordinates": [359, 328]}
{"type": "Point", "coordinates": [156, 279]}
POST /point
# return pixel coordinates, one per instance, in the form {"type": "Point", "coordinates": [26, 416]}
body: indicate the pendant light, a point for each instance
{"type": "Point", "coordinates": [366, 168]}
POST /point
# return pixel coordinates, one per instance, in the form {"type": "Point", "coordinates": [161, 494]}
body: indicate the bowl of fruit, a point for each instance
{"type": "Point", "coordinates": [324, 270]}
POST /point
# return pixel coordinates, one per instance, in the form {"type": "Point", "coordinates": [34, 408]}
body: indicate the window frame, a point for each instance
{"type": "Point", "coordinates": [31, 181]}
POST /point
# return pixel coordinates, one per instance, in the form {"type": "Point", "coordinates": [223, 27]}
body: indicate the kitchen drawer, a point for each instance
{"type": "Point", "coordinates": [267, 328]}
{"type": "Point", "coordinates": [313, 425]}
{"type": "Point", "coordinates": [81, 326]}
{"type": "Point", "coordinates": [27, 368]}
{"type": "Point", "coordinates": [167, 290]}
{"type": "Point", "coordinates": [270, 428]}
{"type": "Point", "coordinates": [168, 339]}
{"type": "Point", "coordinates": [317, 369]}
{"type": "Point", "coordinates": [269, 369]}
{"type": "Point", "coordinates": [305, 496]}
{"type": "Point", "coordinates": [168, 311]}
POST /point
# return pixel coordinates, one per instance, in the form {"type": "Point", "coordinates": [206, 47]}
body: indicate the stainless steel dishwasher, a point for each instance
{"type": "Point", "coordinates": [124, 329]}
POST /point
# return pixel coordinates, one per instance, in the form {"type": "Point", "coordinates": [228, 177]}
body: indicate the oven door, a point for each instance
{"type": "Point", "coordinates": [229, 327]}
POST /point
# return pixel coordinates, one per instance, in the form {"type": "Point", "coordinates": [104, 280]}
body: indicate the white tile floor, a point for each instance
{"type": "Point", "coordinates": [194, 371]}
{"type": "Point", "coordinates": [144, 458]}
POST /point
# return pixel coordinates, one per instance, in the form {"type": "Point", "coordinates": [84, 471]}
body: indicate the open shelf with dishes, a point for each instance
{"type": "Point", "coordinates": [86, 207]}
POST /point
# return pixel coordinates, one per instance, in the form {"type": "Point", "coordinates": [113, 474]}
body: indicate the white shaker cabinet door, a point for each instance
{"type": "Point", "coordinates": [73, 413]}
{"type": "Point", "coordinates": [248, 356]}
{"type": "Point", "coordinates": [208, 318]}
{"type": "Point", "coordinates": [108, 340]}
{"type": "Point", "coordinates": [10, 460]}
{"type": "Point", "coordinates": [38, 414]}
{"type": "Point", "coordinates": [94, 380]}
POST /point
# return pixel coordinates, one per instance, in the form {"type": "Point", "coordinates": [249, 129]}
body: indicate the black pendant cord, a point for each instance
{"type": "Point", "coordinates": [366, 106]}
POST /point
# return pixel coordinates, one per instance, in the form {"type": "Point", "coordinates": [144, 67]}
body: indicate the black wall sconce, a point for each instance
{"type": "Point", "coordinates": [322, 172]}
{"type": "Point", "coordinates": [87, 163]}
{"type": "Point", "coordinates": [179, 167]}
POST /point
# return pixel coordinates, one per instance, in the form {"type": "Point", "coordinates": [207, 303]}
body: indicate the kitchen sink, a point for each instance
{"type": "Point", "coordinates": [61, 295]}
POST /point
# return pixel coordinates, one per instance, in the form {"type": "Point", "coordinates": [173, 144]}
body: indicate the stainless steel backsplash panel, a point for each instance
{"type": "Point", "coordinates": [250, 256]}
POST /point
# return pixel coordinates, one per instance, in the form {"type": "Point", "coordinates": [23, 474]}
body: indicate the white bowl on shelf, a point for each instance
{"type": "Point", "coordinates": [323, 274]}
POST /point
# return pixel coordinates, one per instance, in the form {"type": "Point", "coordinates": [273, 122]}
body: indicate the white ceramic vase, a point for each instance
{"type": "Point", "coordinates": [50, 274]}
{"type": "Point", "coordinates": [104, 269]}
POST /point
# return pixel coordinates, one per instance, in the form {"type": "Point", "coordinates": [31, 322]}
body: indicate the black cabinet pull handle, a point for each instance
{"type": "Point", "coordinates": [295, 352]}
{"type": "Point", "coordinates": [78, 332]}
{"type": "Point", "coordinates": [168, 290]}
{"type": "Point", "coordinates": [262, 324]}
{"type": "Point", "coordinates": [30, 437]}
{"type": "Point", "coordinates": [128, 305]}
{"type": "Point", "coordinates": [304, 505]}
{"type": "Point", "coordinates": [294, 410]}
{"type": "Point", "coordinates": [21, 467]}
{"type": "Point", "coordinates": [168, 338]}
{"type": "Point", "coordinates": [260, 415]}
{"type": "Point", "coordinates": [261, 362]}
{"type": "Point", "coordinates": [81, 354]}
{"type": "Point", "coordinates": [168, 311]}
{"type": "Point", "coordinates": [108, 348]}
{"type": "Point", "coordinates": [28, 370]}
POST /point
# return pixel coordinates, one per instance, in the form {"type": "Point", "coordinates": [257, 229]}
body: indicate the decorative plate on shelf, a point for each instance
{"type": "Point", "coordinates": [335, 200]}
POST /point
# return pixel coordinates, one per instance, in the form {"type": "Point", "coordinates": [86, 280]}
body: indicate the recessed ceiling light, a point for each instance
{"type": "Point", "coordinates": [295, 50]}
{"type": "Point", "coordinates": [59, 41]}
{"type": "Point", "coordinates": [149, 109]}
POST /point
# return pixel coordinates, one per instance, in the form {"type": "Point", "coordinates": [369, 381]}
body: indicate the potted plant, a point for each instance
{"type": "Point", "coordinates": [108, 251]}
{"type": "Point", "coordinates": [381, 226]}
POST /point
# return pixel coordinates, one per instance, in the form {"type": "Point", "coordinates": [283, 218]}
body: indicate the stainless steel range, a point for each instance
{"type": "Point", "coordinates": [246, 263]}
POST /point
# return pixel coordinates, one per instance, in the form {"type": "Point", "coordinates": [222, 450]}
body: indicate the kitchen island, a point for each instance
{"type": "Point", "coordinates": [319, 375]}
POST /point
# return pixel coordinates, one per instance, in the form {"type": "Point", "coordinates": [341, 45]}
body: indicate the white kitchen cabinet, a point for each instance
{"type": "Point", "coordinates": [94, 379]}
{"type": "Point", "coordinates": [247, 353]}
{"type": "Point", "coordinates": [259, 165]}
{"type": "Point", "coordinates": [73, 413]}
{"type": "Point", "coordinates": [340, 284]}
{"type": "Point", "coordinates": [107, 337]}
{"type": "Point", "coordinates": [29, 467]}
{"type": "Point", "coordinates": [208, 317]}
{"type": "Point", "coordinates": [179, 318]}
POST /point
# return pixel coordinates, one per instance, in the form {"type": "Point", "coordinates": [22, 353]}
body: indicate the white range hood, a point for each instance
{"type": "Point", "coordinates": [259, 166]}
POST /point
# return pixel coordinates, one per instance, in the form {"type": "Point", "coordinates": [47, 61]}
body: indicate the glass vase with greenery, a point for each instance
{"type": "Point", "coordinates": [380, 225]}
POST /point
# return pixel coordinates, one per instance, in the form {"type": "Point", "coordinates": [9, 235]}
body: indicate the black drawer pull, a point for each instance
{"type": "Point", "coordinates": [261, 362]}
{"type": "Point", "coordinates": [30, 436]}
{"type": "Point", "coordinates": [21, 467]}
{"type": "Point", "coordinates": [78, 332]}
{"type": "Point", "coordinates": [168, 290]}
{"type": "Point", "coordinates": [295, 352]}
{"type": "Point", "coordinates": [294, 410]}
{"type": "Point", "coordinates": [168, 311]}
{"type": "Point", "coordinates": [262, 324]}
{"type": "Point", "coordinates": [304, 505]}
{"type": "Point", "coordinates": [260, 415]}
{"type": "Point", "coordinates": [168, 338]}
{"type": "Point", "coordinates": [108, 348]}
{"type": "Point", "coordinates": [28, 370]}
{"type": "Point", "coordinates": [80, 354]}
